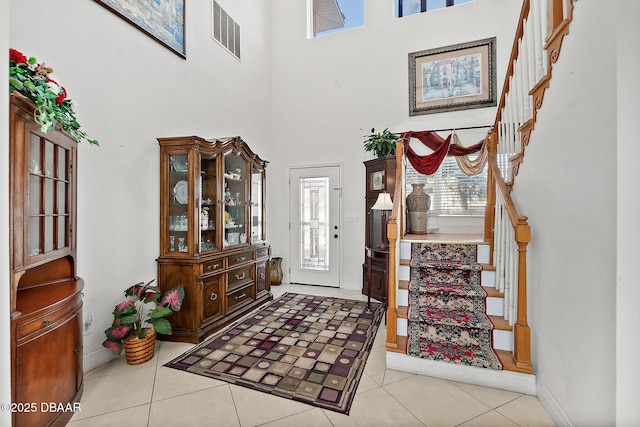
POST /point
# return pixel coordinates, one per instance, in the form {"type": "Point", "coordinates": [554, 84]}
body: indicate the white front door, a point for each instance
{"type": "Point", "coordinates": [314, 212]}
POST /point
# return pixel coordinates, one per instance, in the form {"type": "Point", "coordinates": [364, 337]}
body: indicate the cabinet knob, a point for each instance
{"type": "Point", "coordinates": [240, 259]}
{"type": "Point", "coordinates": [213, 296]}
{"type": "Point", "coordinates": [242, 295]}
{"type": "Point", "coordinates": [46, 323]}
{"type": "Point", "coordinates": [262, 276]}
{"type": "Point", "coordinates": [213, 267]}
{"type": "Point", "coordinates": [77, 350]}
{"type": "Point", "coordinates": [240, 276]}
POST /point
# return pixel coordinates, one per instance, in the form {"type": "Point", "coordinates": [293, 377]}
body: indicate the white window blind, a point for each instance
{"type": "Point", "coordinates": [452, 191]}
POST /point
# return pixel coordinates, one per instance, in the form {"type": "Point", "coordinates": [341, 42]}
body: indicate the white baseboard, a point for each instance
{"type": "Point", "coordinates": [553, 408]}
{"type": "Point", "coordinates": [505, 380]}
{"type": "Point", "coordinates": [96, 358]}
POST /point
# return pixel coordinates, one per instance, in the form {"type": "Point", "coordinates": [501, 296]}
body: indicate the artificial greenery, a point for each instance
{"type": "Point", "coordinates": [32, 80]}
{"type": "Point", "coordinates": [381, 143]}
{"type": "Point", "coordinates": [143, 307]}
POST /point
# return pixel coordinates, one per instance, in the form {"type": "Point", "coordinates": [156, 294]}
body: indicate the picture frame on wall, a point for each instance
{"type": "Point", "coordinates": [162, 20]}
{"type": "Point", "coordinates": [451, 78]}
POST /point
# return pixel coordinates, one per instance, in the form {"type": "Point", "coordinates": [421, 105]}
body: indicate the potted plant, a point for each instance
{"type": "Point", "coordinates": [137, 319]}
{"type": "Point", "coordinates": [382, 143]}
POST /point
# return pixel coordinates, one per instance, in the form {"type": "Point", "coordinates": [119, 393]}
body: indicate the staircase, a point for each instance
{"type": "Point", "coordinates": [510, 377]}
{"type": "Point", "coordinates": [502, 250]}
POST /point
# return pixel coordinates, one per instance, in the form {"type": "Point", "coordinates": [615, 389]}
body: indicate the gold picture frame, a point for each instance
{"type": "Point", "coordinates": [451, 78]}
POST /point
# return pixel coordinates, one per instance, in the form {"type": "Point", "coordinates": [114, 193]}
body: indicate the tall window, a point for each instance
{"type": "Point", "coordinates": [330, 16]}
{"type": "Point", "coordinates": [411, 7]}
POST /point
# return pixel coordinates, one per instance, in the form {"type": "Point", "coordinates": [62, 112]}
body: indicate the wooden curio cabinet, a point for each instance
{"type": "Point", "coordinates": [45, 295]}
{"type": "Point", "coordinates": [212, 232]}
{"type": "Point", "coordinates": [380, 177]}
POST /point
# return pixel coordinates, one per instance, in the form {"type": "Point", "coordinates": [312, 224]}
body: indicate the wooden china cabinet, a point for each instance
{"type": "Point", "coordinates": [380, 177]}
{"type": "Point", "coordinates": [45, 295]}
{"type": "Point", "coordinates": [212, 232]}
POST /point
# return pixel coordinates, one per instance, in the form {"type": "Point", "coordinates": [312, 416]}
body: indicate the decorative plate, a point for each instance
{"type": "Point", "coordinates": [181, 192]}
{"type": "Point", "coordinates": [179, 163]}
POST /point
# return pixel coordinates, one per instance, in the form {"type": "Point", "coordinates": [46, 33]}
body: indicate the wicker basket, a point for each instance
{"type": "Point", "coordinates": [138, 350]}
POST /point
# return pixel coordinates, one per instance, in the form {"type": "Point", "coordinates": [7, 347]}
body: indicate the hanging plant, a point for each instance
{"type": "Point", "coordinates": [32, 80]}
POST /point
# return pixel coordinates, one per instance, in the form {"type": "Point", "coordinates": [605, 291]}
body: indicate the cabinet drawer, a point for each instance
{"type": "Point", "coordinates": [261, 276]}
{"type": "Point", "coordinates": [236, 298]}
{"type": "Point", "coordinates": [211, 267]}
{"type": "Point", "coordinates": [35, 324]}
{"type": "Point", "coordinates": [240, 258]}
{"type": "Point", "coordinates": [262, 253]}
{"type": "Point", "coordinates": [212, 297]}
{"type": "Point", "coordinates": [240, 276]}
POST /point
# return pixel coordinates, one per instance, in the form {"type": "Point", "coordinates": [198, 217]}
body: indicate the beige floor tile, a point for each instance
{"type": "Point", "coordinates": [110, 393]}
{"type": "Point", "coordinates": [172, 382]}
{"type": "Point", "coordinates": [311, 418]}
{"type": "Point", "coordinates": [168, 350]}
{"type": "Point", "coordinates": [366, 383]}
{"type": "Point", "coordinates": [131, 417]}
{"type": "Point", "coordinates": [376, 364]}
{"type": "Point", "coordinates": [526, 411]}
{"type": "Point", "coordinates": [492, 397]}
{"type": "Point", "coordinates": [374, 408]}
{"type": "Point", "coordinates": [436, 402]}
{"type": "Point", "coordinates": [256, 408]}
{"type": "Point", "coordinates": [391, 376]}
{"type": "Point", "coordinates": [211, 407]}
{"type": "Point", "coordinates": [489, 419]}
{"type": "Point", "coordinates": [119, 365]}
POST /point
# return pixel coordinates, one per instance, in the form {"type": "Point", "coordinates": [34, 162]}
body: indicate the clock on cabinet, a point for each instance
{"type": "Point", "coordinates": [377, 180]}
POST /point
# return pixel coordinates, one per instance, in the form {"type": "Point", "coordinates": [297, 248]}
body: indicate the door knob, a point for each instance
{"type": "Point", "coordinates": [335, 236]}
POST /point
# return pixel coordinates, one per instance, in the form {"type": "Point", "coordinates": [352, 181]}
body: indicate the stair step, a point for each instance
{"type": "Point", "coordinates": [403, 312]}
{"type": "Point", "coordinates": [400, 345]}
{"type": "Point", "coordinates": [500, 323]}
{"type": "Point", "coordinates": [488, 267]}
{"type": "Point", "coordinates": [493, 292]}
{"type": "Point", "coordinates": [405, 262]}
{"type": "Point", "coordinates": [404, 284]}
{"type": "Point", "coordinates": [506, 358]}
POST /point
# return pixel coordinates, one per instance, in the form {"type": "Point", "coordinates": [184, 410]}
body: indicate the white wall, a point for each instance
{"type": "Point", "coordinates": [628, 203]}
{"type": "Point", "coordinates": [329, 91]}
{"type": "Point", "coordinates": [131, 90]}
{"type": "Point", "coordinates": [5, 343]}
{"type": "Point", "coordinates": [567, 187]}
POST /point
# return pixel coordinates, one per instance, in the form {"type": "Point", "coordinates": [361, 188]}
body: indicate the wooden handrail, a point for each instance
{"type": "Point", "coordinates": [394, 224]}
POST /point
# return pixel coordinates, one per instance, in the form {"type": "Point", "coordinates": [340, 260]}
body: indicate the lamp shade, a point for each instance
{"type": "Point", "coordinates": [383, 203]}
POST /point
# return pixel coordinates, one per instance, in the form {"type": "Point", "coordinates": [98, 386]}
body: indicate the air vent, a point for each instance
{"type": "Point", "coordinates": [226, 30]}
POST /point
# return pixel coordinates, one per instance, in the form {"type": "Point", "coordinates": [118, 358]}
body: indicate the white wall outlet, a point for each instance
{"type": "Point", "coordinates": [351, 218]}
{"type": "Point", "coordinates": [87, 324]}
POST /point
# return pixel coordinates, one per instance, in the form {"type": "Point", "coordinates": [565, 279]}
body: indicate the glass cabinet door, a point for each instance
{"type": "Point", "coordinates": [208, 198]}
{"type": "Point", "coordinates": [178, 203]}
{"type": "Point", "coordinates": [257, 226]}
{"type": "Point", "coordinates": [235, 199]}
{"type": "Point", "coordinates": [49, 223]}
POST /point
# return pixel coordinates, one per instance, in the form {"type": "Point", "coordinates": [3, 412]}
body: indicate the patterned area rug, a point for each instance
{"type": "Point", "coordinates": [306, 348]}
{"type": "Point", "coordinates": [447, 320]}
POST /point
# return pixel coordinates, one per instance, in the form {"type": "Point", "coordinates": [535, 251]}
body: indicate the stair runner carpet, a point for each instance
{"type": "Point", "coordinates": [447, 320]}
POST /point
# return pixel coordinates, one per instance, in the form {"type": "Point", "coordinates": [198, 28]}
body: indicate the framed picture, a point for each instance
{"type": "Point", "coordinates": [452, 78]}
{"type": "Point", "coordinates": [377, 180]}
{"type": "Point", "coordinates": [162, 20]}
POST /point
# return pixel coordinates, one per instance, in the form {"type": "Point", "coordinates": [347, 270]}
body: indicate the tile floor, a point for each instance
{"type": "Point", "coordinates": [152, 395]}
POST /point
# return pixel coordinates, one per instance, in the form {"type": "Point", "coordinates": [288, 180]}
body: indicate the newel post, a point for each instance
{"type": "Point", "coordinates": [521, 331]}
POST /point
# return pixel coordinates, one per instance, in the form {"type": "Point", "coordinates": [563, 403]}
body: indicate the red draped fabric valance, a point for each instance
{"type": "Point", "coordinates": [430, 163]}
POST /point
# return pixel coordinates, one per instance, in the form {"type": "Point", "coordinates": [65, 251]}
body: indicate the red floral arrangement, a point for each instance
{"type": "Point", "coordinates": [32, 80]}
